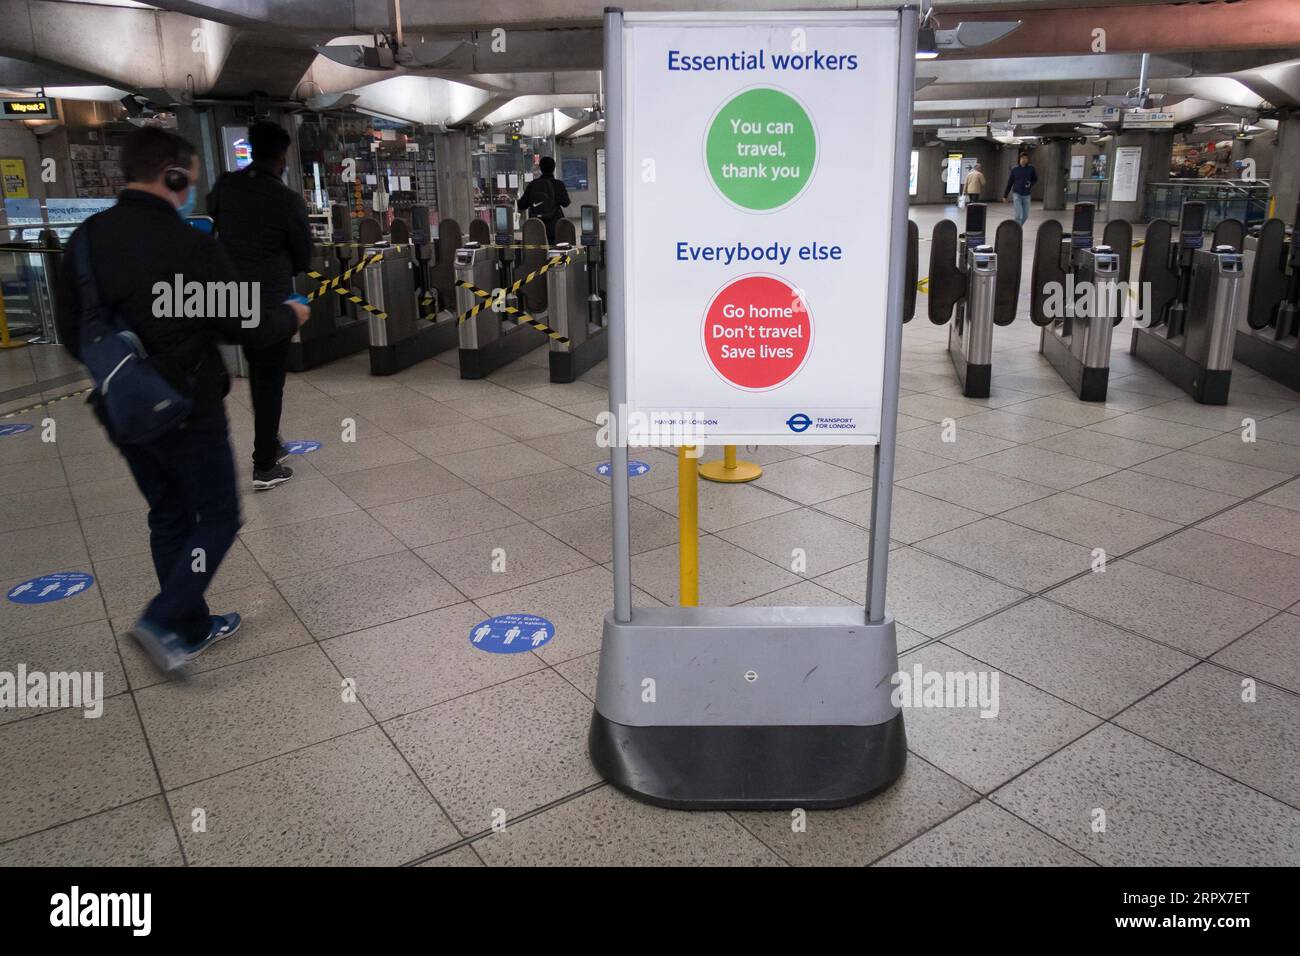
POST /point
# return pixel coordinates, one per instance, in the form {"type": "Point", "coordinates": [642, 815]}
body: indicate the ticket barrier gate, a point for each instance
{"type": "Point", "coordinates": [487, 340]}
{"type": "Point", "coordinates": [1268, 318]}
{"type": "Point", "coordinates": [981, 283]}
{"type": "Point", "coordinates": [1187, 333]}
{"type": "Point", "coordinates": [581, 343]}
{"type": "Point", "coordinates": [1071, 270]}
{"type": "Point", "coordinates": [399, 335]}
{"type": "Point", "coordinates": [332, 329]}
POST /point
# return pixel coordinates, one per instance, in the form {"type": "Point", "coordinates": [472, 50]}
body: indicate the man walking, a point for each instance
{"type": "Point", "coordinates": [262, 225]}
{"type": "Point", "coordinates": [133, 252]}
{"type": "Point", "coordinates": [974, 184]}
{"type": "Point", "coordinates": [545, 198]}
{"type": "Point", "coordinates": [1019, 185]}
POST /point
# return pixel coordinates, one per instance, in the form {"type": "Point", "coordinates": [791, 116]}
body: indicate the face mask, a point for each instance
{"type": "Point", "coordinates": [186, 209]}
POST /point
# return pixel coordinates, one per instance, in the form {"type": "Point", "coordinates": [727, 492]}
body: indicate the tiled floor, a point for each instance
{"type": "Point", "coordinates": [351, 721]}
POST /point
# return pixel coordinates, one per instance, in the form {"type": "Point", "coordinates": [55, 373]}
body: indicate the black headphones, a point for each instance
{"type": "Point", "coordinates": [177, 179]}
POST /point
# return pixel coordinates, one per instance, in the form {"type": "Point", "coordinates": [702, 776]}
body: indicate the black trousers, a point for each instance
{"type": "Point", "coordinates": [266, 371]}
{"type": "Point", "coordinates": [188, 478]}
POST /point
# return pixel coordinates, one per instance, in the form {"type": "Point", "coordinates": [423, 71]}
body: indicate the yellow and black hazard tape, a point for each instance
{"type": "Point", "coordinates": [515, 315]}
{"type": "Point", "coordinates": [515, 287]}
{"type": "Point", "coordinates": [342, 277]}
{"type": "Point", "coordinates": [361, 303]}
{"type": "Point", "coordinates": [923, 285]}
{"type": "Point", "coordinates": [48, 401]}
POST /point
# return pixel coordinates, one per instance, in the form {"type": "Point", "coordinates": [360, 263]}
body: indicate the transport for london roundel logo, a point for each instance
{"type": "Point", "coordinates": [757, 332]}
{"type": "Point", "coordinates": [761, 149]}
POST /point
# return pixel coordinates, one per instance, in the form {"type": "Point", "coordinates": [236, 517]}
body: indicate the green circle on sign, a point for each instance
{"type": "Point", "coordinates": [761, 149]}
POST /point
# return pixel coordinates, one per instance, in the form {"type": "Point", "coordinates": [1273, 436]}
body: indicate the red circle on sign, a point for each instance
{"type": "Point", "coordinates": [757, 332]}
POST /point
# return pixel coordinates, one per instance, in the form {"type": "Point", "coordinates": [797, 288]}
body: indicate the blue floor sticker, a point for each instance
{"type": "Point", "coordinates": [512, 633]}
{"type": "Point", "coordinates": [14, 428]}
{"type": "Point", "coordinates": [51, 587]}
{"type": "Point", "coordinates": [302, 447]}
{"type": "Point", "coordinates": [634, 468]}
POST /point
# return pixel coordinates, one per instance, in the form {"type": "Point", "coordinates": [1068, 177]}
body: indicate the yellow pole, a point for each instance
{"type": "Point", "coordinates": [688, 527]}
{"type": "Point", "coordinates": [729, 469]}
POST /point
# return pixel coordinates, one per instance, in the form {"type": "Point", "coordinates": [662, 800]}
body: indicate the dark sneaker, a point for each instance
{"type": "Point", "coordinates": [166, 649]}
{"type": "Point", "coordinates": [220, 626]}
{"type": "Point", "coordinates": [276, 475]}
{"type": "Point", "coordinates": [283, 451]}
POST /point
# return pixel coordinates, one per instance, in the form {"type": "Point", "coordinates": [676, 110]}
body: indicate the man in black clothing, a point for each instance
{"type": "Point", "coordinates": [262, 225]}
{"type": "Point", "coordinates": [139, 251]}
{"type": "Point", "coordinates": [545, 198]}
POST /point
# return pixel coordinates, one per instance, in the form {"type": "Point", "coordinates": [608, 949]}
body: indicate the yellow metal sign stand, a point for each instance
{"type": "Point", "coordinates": [688, 528]}
{"type": "Point", "coordinates": [729, 469]}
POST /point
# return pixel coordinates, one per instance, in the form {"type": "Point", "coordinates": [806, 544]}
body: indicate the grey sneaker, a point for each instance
{"type": "Point", "coordinates": [276, 475]}
{"type": "Point", "coordinates": [166, 649]}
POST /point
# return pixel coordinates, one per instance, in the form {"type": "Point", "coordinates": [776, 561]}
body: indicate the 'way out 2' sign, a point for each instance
{"type": "Point", "coordinates": [759, 155]}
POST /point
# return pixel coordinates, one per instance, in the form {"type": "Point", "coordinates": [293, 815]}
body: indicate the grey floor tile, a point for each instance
{"type": "Point", "coordinates": [33, 551]}
{"type": "Point", "coordinates": [806, 542]}
{"type": "Point", "coordinates": [1287, 496]}
{"type": "Point", "coordinates": [482, 466]}
{"type": "Point", "coordinates": [1228, 477]}
{"type": "Point", "coordinates": [1257, 523]}
{"type": "Point", "coordinates": [926, 593]}
{"type": "Point", "coordinates": [861, 458]}
{"type": "Point", "coordinates": [1280, 430]}
{"type": "Point", "coordinates": [984, 835]}
{"type": "Point", "coordinates": [728, 574]}
{"type": "Point", "coordinates": [63, 766]}
{"type": "Point", "coordinates": [107, 497]}
{"type": "Point", "coordinates": [451, 439]}
{"type": "Point", "coordinates": [26, 476]}
{"type": "Point", "coordinates": [1222, 418]}
{"type": "Point", "coordinates": [319, 543]}
{"type": "Point", "coordinates": [1106, 449]}
{"type": "Point", "coordinates": [1153, 431]}
{"type": "Point", "coordinates": [464, 856]}
{"type": "Point", "coordinates": [401, 482]}
{"type": "Point", "coordinates": [575, 603]}
{"type": "Point", "coordinates": [605, 828]}
{"type": "Point", "coordinates": [1043, 467]}
{"type": "Point", "coordinates": [1260, 453]}
{"type": "Point", "coordinates": [1173, 610]}
{"type": "Point", "coordinates": [975, 488]}
{"type": "Point", "coordinates": [367, 593]}
{"type": "Point", "coordinates": [1159, 497]}
{"type": "Point", "coordinates": [418, 661]}
{"type": "Point", "coordinates": [549, 493]}
{"type": "Point", "coordinates": [130, 582]}
{"type": "Point", "coordinates": [957, 444]}
{"type": "Point", "coordinates": [1093, 524]}
{"type": "Point", "coordinates": [571, 447]}
{"type": "Point", "coordinates": [116, 535]}
{"type": "Point", "coordinates": [296, 500]}
{"type": "Point", "coordinates": [1013, 428]}
{"type": "Point", "coordinates": [808, 480]}
{"type": "Point", "coordinates": [457, 514]}
{"type": "Point", "coordinates": [350, 801]}
{"type": "Point", "coordinates": [19, 619]}
{"type": "Point", "coordinates": [726, 505]}
{"type": "Point", "coordinates": [502, 559]}
{"type": "Point", "coordinates": [514, 747]}
{"type": "Point", "coordinates": [913, 515]}
{"type": "Point", "coordinates": [566, 395]}
{"type": "Point", "coordinates": [497, 404]}
{"type": "Point", "coordinates": [1077, 658]}
{"type": "Point", "coordinates": [96, 466]}
{"type": "Point", "coordinates": [1009, 553]}
{"type": "Point", "coordinates": [985, 752]}
{"type": "Point", "coordinates": [237, 715]}
{"type": "Point", "coordinates": [1160, 809]}
{"type": "Point", "coordinates": [1270, 652]}
{"type": "Point", "coordinates": [403, 410]}
{"type": "Point", "coordinates": [81, 648]}
{"type": "Point", "coordinates": [138, 834]}
{"type": "Point", "coordinates": [1203, 715]}
{"type": "Point", "coordinates": [861, 834]}
{"type": "Point", "coordinates": [1065, 410]}
{"type": "Point", "coordinates": [37, 507]}
{"type": "Point", "coordinates": [534, 423]}
{"type": "Point", "coordinates": [936, 408]}
{"type": "Point", "coordinates": [269, 625]}
{"type": "Point", "coordinates": [582, 673]}
{"type": "Point", "coordinates": [590, 530]}
{"type": "Point", "coordinates": [1247, 570]}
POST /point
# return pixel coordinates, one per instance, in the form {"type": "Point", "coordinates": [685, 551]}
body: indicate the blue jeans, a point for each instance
{"type": "Point", "coordinates": [188, 478]}
{"type": "Point", "coordinates": [1021, 201]}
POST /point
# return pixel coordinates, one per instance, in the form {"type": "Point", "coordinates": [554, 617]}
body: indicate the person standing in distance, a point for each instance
{"type": "Point", "coordinates": [1019, 185]}
{"type": "Point", "coordinates": [545, 198]}
{"type": "Point", "coordinates": [187, 472]}
{"type": "Point", "coordinates": [974, 184]}
{"type": "Point", "coordinates": [262, 225]}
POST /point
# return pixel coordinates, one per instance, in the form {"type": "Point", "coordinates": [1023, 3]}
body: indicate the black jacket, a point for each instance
{"type": "Point", "coordinates": [535, 190]}
{"type": "Point", "coordinates": [262, 225]}
{"type": "Point", "coordinates": [137, 244]}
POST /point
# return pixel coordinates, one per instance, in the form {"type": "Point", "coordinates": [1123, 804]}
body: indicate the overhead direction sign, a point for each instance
{"type": "Point", "coordinates": [35, 107]}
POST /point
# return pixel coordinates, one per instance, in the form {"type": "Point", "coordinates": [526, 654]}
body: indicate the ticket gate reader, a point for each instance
{"type": "Point", "coordinates": [594, 255]}
{"type": "Point", "coordinates": [1077, 298]}
{"type": "Point", "coordinates": [582, 343]}
{"type": "Point", "coordinates": [1192, 305]}
{"type": "Point", "coordinates": [1268, 320]}
{"type": "Point", "coordinates": [332, 329]}
{"type": "Point", "coordinates": [399, 336]}
{"type": "Point", "coordinates": [981, 283]}
{"type": "Point", "coordinates": [487, 340]}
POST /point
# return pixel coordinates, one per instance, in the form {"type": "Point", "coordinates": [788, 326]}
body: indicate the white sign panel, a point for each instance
{"type": "Point", "coordinates": [1076, 166]}
{"type": "Point", "coordinates": [1128, 162]}
{"type": "Point", "coordinates": [755, 293]}
{"type": "Point", "coordinates": [1038, 115]}
{"type": "Point", "coordinates": [911, 175]}
{"type": "Point", "coordinates": [1151, 119]}
{"type": "Point", "coordinates": [963, 132]}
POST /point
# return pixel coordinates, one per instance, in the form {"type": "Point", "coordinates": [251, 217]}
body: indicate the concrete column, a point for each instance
{"type": "Point", "coordinates": [455, 178]}
{"type": "Point", "coordinates": [1286, 169]}
{"type": "Point", "coordinates": [1055, 172]}
{"type": "Point", "coordinates": [1157, 150]}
